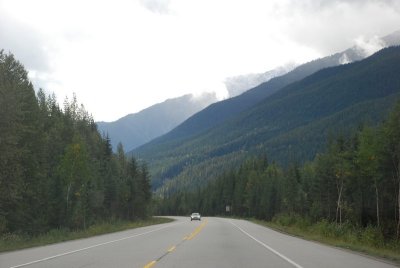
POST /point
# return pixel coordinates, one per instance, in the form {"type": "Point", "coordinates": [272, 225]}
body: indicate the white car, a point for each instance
{"type": "Point", "coordinates": [195, 216]}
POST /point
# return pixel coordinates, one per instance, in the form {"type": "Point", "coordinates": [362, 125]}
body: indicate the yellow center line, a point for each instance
{"type": "Point", "coordinates": [173, 248]}
{"type": "Point", "coordinates": [150, 264]}
{"type": "Point", "coordinates": [197, 230]}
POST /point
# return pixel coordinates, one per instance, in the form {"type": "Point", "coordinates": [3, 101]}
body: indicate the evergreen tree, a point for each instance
{"type": "Point", "coordinates": [20, 139]}
{"type": "Point", "coordinates": [391, 130]}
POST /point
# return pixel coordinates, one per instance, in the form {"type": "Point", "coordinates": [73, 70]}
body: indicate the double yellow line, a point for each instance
{"type": "Point", "coordinates": [171, 249]}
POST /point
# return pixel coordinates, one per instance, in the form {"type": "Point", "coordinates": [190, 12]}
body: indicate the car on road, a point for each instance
{"type": "Point", "coordinates": [195, 216]}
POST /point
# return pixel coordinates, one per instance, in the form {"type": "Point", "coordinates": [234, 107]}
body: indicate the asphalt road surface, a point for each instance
{"type": "Point", "coordinates": [212, 242]}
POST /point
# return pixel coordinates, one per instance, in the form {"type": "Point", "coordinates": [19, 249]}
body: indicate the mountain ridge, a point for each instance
{"type": "Point", "coordinates": [290, 109]}
{"type": "Point", "coordinates": [221, 111]}
{"type": "Point", "coordinates": [138, 128]}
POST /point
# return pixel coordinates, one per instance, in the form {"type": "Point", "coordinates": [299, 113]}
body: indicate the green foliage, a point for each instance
{"type": "Point", "coordinates": [350, 188]}
{"type": "Point", "coordinates": [56, 170]}
{"type": "Point", "coordinates": [291, 125]}
{"type": "Point", "coordinates": [349, 192]}
{"type": "Point", "coordinates": [364, 239]}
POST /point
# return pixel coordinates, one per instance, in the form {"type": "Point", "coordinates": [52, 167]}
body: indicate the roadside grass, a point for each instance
{"type": "Point", "coordinates": [15, 241]}
{"type": "Point", "coordinates": [364, 240]}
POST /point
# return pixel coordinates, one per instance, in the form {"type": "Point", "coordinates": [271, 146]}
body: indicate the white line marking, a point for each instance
{"type": "Point", "coordinates": [94, 246]}
{"type": "Point", "coordinates": [268, 247]}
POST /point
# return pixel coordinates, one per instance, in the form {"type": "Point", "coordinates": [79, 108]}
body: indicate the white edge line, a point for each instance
{"type": "Point", "coordinates": [86, 248]}
{"type": "Point", "coordinates": [268, 247]}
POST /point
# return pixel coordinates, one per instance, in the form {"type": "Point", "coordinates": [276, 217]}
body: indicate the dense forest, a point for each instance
{"type": "Point", "coordinates": [56, 170]}
{"type": "Point", "coordinates": [356, 181]}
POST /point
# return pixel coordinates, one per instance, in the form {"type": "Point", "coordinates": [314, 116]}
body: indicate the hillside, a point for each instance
{"type": "Point", "coordinates": [220, 112]}
{"type": "Point", "coordinates": [236, 85]}
{"type": "Point", "coordinates": [290, 124]}
{"type": "Point", "coordinates": [136, 129]}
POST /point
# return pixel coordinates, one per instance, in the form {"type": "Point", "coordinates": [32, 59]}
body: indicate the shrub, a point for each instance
{"type": "Point", "coordinates": [372, 236]}
{"type": "Point", "coordinates": [284, 219]}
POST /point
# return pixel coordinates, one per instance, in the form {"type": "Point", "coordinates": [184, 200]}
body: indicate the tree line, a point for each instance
{"type": "Point", "coordinates": [355, 181]}
{"type": "Point", "coordinates": [56, 170]}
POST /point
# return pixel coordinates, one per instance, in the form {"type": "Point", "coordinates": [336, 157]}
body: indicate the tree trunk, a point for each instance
{"type": "Point", "coordinates": [397, 170]}
{"type": "Point", "coordinates": [377, 204]}
{"type": "Point", "coordinates": [398, 213]}
{"type": "Point", "coordinates": [339, 203]}
{"type": "Point", "coordinates": [69, 188]}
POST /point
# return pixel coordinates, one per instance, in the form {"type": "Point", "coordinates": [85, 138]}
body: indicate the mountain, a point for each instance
{"type": "Point", "coordinates": [136, 129]}
{"type": "Point", "coordinates": [236, 85]}
{"type": "Point", "coordinates": [291, 124]}
{"type": "Point", "coordinates": [392, 39]}
{"type": "Point", "coordinates": [219, 112]}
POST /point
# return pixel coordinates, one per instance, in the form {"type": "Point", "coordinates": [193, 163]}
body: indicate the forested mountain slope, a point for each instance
{"type": "Point", "coordinates": [219, 112]}
{"type": "Point", "coordinates": [291, 124]}
{"type": "Point", "coordinates": [136, 129]}
{"type": "Point", "coordinates": [351, 188]}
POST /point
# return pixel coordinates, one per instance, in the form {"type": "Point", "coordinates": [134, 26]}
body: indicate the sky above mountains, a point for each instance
{"type": "Point", "coordinates": [122, 56]}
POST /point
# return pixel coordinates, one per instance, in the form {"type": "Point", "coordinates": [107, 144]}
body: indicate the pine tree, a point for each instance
{"type": "Point", "coordinates": [20, 139]}
{"type": "Point", "coordinates": [392, 146]}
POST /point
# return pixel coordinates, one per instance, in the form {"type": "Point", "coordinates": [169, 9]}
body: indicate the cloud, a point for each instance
{"type": "Point", "coordinates": [130, 54]}
{"type": "Point", "coordinates": [157, 6]}
{"type": "Point", "coordinates": [369, 46]}
{"type": "Point", "coordinates": [344, 59]}
{"type": "Point", "coordinates": [28, 47]}
{"type": "Point", "coordinates": [236, 85]}
{"type": "Point", "coordinates": [319, 5]}
{"type": "Point", "coordinates": [330, 26]}
{"type": "Point", "coordinates": [24, 42]}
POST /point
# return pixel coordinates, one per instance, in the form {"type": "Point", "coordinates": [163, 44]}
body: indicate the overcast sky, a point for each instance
{"type": "Point", "coordinates": [121, 56]}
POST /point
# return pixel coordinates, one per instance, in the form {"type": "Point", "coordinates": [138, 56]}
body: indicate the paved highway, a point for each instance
{"type": "Point", "coordinates": [213, 242]}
